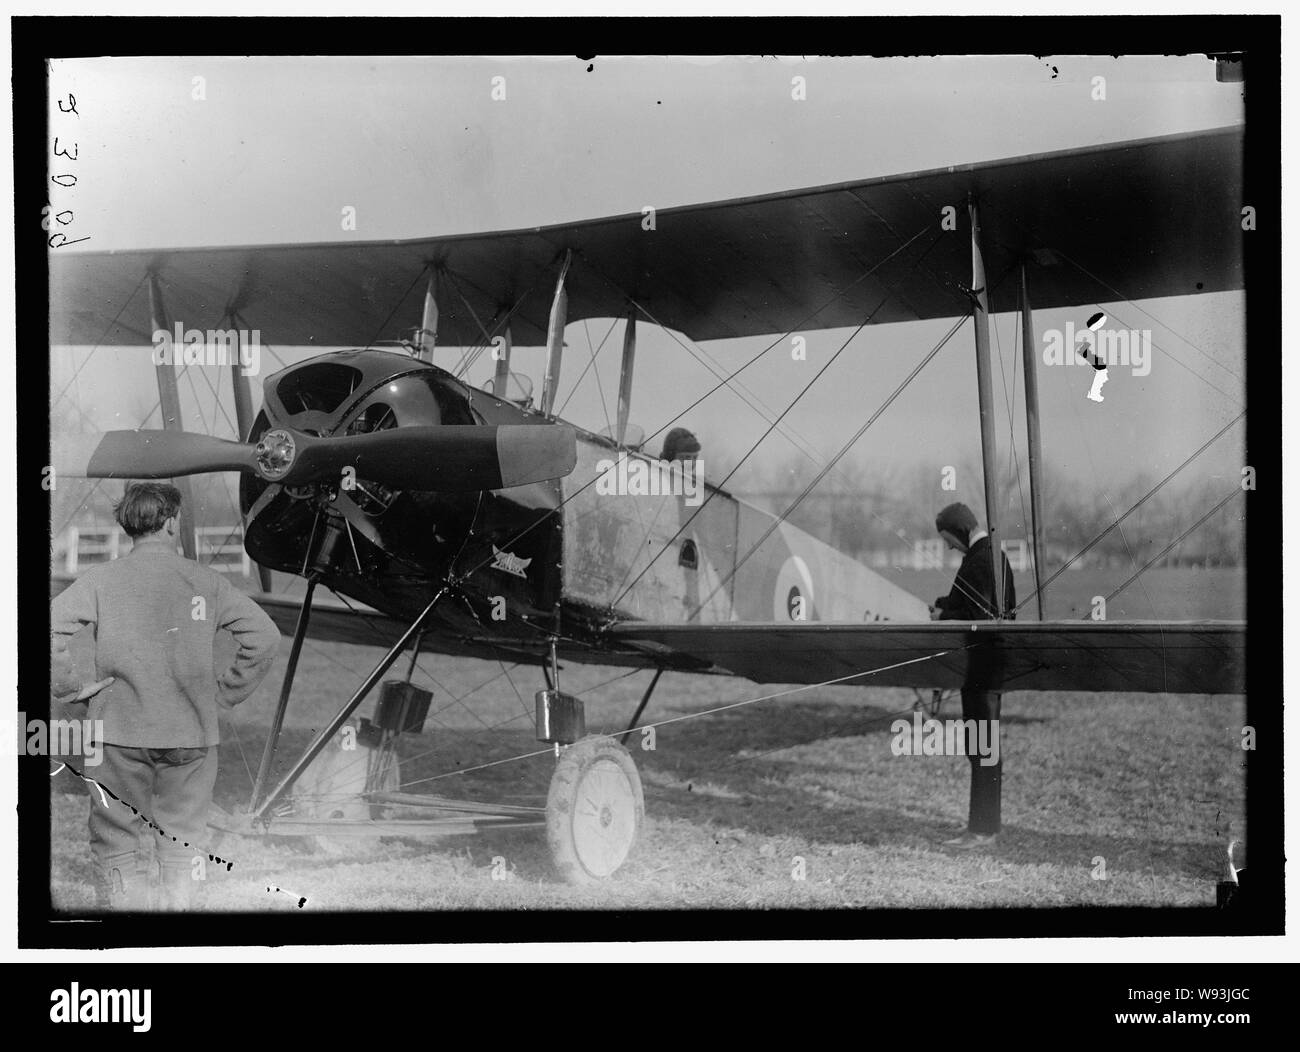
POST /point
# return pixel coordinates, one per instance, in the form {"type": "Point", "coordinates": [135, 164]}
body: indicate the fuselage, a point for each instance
{"type": "Point", "coordinates": [561, 559]}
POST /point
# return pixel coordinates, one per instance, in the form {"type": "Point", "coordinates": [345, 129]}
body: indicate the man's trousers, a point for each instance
{"type": "Point", "coordinates": [985, 782]}
{"type": "Point", "coordinates": [158, 819]}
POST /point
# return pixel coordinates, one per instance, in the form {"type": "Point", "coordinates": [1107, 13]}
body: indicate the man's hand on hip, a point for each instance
{"type": "Point", "coordinates": [89, 690]}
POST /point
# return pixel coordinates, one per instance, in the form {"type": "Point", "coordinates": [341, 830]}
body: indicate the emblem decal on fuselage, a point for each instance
{"type": "Point", "coordinates": [509, 563]}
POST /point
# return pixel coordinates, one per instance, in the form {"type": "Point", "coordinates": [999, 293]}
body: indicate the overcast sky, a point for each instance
{"type": "Point", "coordinates": [419, 148]}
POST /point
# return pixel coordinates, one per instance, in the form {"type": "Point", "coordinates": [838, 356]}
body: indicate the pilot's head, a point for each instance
{"type": "Point", "coordinates": [680, 444]}
{"type": "Point", "coordinates": [955, 524]}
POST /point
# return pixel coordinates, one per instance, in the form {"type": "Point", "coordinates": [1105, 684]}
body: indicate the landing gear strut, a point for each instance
{"type": "Point", "coordinates": [262, 808]}
{"type": "Point", "coordinates": [594, 807]}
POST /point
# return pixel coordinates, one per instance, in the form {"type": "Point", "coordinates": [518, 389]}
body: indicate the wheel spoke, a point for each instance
{"type": "Point", "coordinates": [602, 835]}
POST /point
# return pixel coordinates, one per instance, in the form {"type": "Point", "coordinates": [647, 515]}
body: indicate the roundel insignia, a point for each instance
{"type": "Point", "coordinates": [793, 598]}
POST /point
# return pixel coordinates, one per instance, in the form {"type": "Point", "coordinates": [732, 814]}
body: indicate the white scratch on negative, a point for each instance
{"type": "Point", "coordinates": [1099, 379]}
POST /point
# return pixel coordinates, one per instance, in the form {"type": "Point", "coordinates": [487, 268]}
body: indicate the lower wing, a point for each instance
{"type": "Point", "coordinates": [1186, 657]}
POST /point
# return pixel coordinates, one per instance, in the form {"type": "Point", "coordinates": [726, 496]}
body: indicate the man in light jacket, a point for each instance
{"type": "Point", "coordinates": [155, 616]}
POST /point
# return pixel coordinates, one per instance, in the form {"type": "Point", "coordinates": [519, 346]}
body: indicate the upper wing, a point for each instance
{"type": "Point", "coordinates": [1189, 657]}
{"type": "Point", "coordinates": [1133, 220]}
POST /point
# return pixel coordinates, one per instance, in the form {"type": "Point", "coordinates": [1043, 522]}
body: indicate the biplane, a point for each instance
{"type": "Point", "coordinates": [396, 484]}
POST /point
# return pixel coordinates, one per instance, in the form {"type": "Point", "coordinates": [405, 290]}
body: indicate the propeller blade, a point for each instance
{"type": "Point", "coordinates": [535, 453]}
{"type": "Point", "coordinates": [452, 458]}
{"type": "Point", "coordinates": [269, 494]}
{"type": "Point", "coordinates": [150, 455]}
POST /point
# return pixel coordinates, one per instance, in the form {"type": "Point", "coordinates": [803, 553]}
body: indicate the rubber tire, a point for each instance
{"type": "Point", "coordinates": [575, 765]}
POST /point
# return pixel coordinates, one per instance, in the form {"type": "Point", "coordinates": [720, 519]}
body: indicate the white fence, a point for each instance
{"type": "Point", "coordinates": [222, 548]}
{"type": "Point", "coordinates": [218, 547]}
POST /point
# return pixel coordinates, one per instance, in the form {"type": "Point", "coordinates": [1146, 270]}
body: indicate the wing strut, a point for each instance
{"type": "Point", "coordinates": [1030, 351]}
{"type": "Point", "coordinates": [984, 379]}
{"type": "Point", "coordinates": [625, 377]}
{"type": "Point", "coordinates": [501, 375]}
{"type": "Point", "coordinates": [426, 339]}
{"type": "Point", "coordinates": [555, 337]}
{"type": "Point", "coordinates": [170, 402]}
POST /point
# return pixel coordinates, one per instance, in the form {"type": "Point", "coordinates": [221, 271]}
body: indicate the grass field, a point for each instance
{"type": "Point", "coordinates": [1151, 784]}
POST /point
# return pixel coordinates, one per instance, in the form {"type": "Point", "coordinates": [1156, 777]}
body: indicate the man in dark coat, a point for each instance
{"type": "Point", "coordinates": [972, 598]}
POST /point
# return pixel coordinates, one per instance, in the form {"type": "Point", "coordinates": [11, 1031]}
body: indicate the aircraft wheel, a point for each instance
{"type": "Point", "coordinates": [594, 810]}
